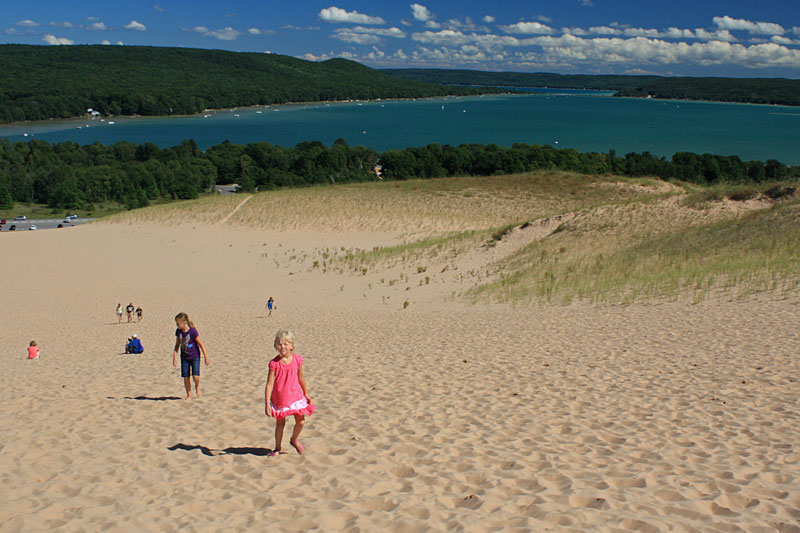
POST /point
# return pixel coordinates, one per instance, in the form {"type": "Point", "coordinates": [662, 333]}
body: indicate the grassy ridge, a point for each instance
{"type": "Point", "coordinates": [600, 239]}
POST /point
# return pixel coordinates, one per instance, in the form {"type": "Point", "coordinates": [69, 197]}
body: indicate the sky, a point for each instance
{"type": "Point", "coordinates": [738, 38]}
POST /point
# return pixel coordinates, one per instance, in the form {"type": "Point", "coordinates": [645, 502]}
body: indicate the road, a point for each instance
{"type": "Point", "coordinates": [42, 223]}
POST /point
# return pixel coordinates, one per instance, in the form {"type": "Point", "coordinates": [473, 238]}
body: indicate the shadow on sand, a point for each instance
{"type": "Point", "coordinates": [261, 452]}
{"type": "Point", "coordinates": [151, 398]}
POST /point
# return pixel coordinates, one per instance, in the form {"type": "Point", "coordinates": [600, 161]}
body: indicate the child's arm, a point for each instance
{"type": "Point", "coordinates": [302, 381]}
{"type": "Point", "coordinates": [202, 347]}
{"type": "Point", "coordinates": [268, 392]}
{"type": "Point", "coordinates": [175, 353]}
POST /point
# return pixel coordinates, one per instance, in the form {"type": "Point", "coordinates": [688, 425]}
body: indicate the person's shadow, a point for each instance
{"type": "Point", "coordinates": [150, 398]}
{"type": "Point", "coordinates": [233, 450]}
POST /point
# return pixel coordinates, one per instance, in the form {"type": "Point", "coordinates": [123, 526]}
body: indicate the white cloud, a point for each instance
{"type": "Point", "coordinates": [719, 35]}
{"type": "Point", "coordinates": [299, 28]}
{"type": "Point", "coordinates": [757, 28]}
{"type": "Point", "coordinates": [586, 3]}
{"type": "Point", "coordinates": [105, 41]}
{"type": "Point", "coordinates": [604, 30]}
{"type": "Point", "coordinates": [138, 26]}
{"type": "Point", "coordinates": [796, 30]}
{"type": "Point", "coordinates": [383, 32]}
{"type": "Point", "coordinates": [641, 32]}
{"type": "Point", "coordinates": [225, 34]}
{"type": "Point", "coordinates": [335, 15]}
{"type": "Point", "coordinates": [97, 26]}
{"type": "Point", "coordinates": [362, 35]}
{"type": "Point", "coordinates": [488, 19]}
{"type": "Point", "coordinates": [421, 13]}
{"type": "Point", "coordinates": [783, 40]}
{"type": "Point", "coordinates": [677, 33]}
{"type": "Point", "coordinates": [64, 24]}
{"type": "Point", "coordinates": [27, 23]}
{"type": "Point", "coordinates": [311, 57]}
{"type": "Point", "coordinates": [574, 31]}
{"type": "Point", "coordinates": [53, 40]}
{"type": "Point", "coordinates": [158, 8]}
{"type": "Point", "coordinates": [528, 28]}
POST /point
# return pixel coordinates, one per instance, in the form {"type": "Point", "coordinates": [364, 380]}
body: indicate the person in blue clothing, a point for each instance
{"type": "Point", "coordinates": [134, 345]}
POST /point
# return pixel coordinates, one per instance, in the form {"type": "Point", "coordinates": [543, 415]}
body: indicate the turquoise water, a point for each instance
{"type": "Point", "coordinates": [577, 120]}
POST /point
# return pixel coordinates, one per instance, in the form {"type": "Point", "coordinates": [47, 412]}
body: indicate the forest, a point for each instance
{"type": "Point", "coordinates": [43, 82]}
{"type": "Point", "coordinates": [777, 91]}
{"type": "Point", "coordinates": [68, 175]}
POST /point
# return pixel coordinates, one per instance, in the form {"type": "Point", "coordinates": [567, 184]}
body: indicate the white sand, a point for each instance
{"type": "Point", "coordinates": [441, 416]}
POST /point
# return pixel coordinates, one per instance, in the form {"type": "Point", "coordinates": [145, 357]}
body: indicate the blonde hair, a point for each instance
{"type": "Point", "coordinates": [285, 334]}
{"type": "Point", "coordinates": [183, 317]}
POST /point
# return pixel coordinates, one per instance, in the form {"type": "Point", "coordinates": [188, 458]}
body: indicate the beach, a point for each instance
{"type": "Point", "coordinates": [438, 415]}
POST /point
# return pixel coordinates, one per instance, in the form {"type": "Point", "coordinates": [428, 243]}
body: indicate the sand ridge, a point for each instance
{"type": "Point", "coordinates": [440, 416]}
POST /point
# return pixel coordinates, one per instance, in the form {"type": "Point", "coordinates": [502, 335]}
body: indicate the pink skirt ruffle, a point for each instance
{"type": "Point", "coordinates": [300, 407]}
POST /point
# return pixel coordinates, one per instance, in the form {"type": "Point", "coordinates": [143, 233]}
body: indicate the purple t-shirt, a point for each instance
{"type": "Point", "coordinates": [189, 349]}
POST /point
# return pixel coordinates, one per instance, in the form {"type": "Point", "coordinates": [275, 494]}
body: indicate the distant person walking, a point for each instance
{"type": "Point", "coordinates": [130, 309]}
{"type": "Point", "coordinates": [270, 306]}
{"type": "Point", "coordinates": [187, 340]}
{"type": "Point", "coordinates": [119, 312]}
{"type": "Point", "coordinates": [286, 393]}
{"type": "Point", "coordinates": [139, 313]}
{"type": "Point", "coordinates": [33, 351]}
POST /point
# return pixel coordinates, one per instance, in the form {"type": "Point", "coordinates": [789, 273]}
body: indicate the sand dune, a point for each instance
{"type": "Point", "coordinates": [440, 416]}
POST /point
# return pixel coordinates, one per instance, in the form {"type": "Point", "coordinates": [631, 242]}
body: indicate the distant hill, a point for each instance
{"type": "Point", "coordinates": [41, 82]}
{"type": "Point", "coordinates": [520, 79]}
{"type": "Point", "coordinates": [747, 90]}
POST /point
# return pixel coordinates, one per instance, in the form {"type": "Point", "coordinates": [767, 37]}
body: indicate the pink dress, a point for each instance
{"type": "Point", "coordinates": [287, 395]}
{"type": "Point", "coordinates": [33, 352]}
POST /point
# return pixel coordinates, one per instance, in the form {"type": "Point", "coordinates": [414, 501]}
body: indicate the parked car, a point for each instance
{"type": "Point", "coordinates": [13, 227]}
{"type": "Point", "coordinates": [2, 222]}
{"type": "Point", "coordinates": [33, 226]}
{"type": "Point", "coordinates": [70, 217]}
{"type": "Point", "coordinates": [67, 221]}
{"type": "Point", "coordinates": [21, 217]}
{"type": "Point", "coordinates": [60, 226]}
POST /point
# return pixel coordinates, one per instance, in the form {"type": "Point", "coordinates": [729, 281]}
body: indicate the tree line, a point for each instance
{"type": "Point", "coordinates": [43, 82]}
{"type": "Point", "coordinates": [71, 176]}
{"type": "Point", "coordinates": [779, 91]}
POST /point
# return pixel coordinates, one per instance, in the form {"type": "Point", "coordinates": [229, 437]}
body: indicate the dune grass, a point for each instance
{"type": "Point", "coordinates": [738, 256]}
{"type": "Point", "coordinates": [624, 240]}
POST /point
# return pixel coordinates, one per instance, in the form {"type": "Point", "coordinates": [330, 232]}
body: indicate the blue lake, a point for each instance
{"type": "Point", "coordinates": [564, 119]}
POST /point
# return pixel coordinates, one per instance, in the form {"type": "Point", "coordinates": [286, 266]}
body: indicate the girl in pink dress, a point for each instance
{"type": "Point", "coordinates": [286, 392]}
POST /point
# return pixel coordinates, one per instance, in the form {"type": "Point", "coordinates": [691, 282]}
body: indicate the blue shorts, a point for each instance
{"type": "Point", "coordinates": [190, 367]}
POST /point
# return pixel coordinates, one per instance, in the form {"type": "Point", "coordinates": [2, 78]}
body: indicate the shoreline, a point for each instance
{"type": "Point", "coordinates": [83, 119]}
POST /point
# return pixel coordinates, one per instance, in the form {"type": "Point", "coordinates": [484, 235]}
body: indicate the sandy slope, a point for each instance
{"type": "Point", "coordinates": [437, 417]}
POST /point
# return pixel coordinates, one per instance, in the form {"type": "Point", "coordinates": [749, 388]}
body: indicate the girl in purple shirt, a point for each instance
{"type": "Point", "coordinates": [187, 340]}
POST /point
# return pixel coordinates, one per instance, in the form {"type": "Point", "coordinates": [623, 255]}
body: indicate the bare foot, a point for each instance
{"type": "Point", "coordinates": [188, 397]}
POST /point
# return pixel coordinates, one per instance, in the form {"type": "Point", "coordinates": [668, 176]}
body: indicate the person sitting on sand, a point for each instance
{"type": "Point", "coordinates": [134, 345]}
{"type": "Point", "coordinates": [33, 351]}
{"type": "Point", "coordinates": [286, 393]}
{"type": "Point", "coordinates": [187, 340]}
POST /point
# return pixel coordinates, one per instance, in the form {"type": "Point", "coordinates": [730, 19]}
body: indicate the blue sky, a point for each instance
{"type": "Point", "coordinates": [677, 37]}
